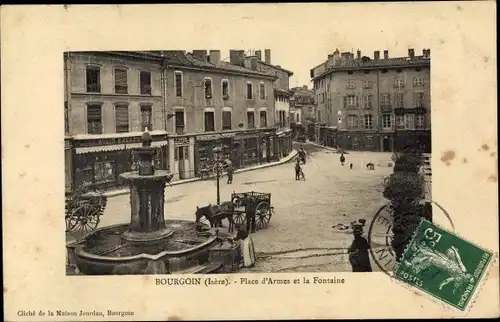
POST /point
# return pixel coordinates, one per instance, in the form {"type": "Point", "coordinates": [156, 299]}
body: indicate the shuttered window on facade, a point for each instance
{"type": "Point", "coordinates": [251, 120]}
{"type": "Point", "coordinates": [146, 117]}
{"type": "Point", "coordinates": [145, 83]}
{"type": "Point", "coordinates": [209, 122]}
{"type": "Point", "coordinates": [263, 119]}
{"type": "Point", "coordinates": [94, 119]}
{"type": "Point", "coordinates": [93, 76]}
{"type": "Point", "coordinates": [226, 120]}
{"type": "Point", "coordinates": [122, 118]}
{"type": "Point", "coordinates": [121, 86]}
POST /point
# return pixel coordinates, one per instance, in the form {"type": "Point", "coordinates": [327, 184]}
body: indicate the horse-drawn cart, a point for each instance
{"type": "Point", "coordinates": [257, 204]}
{"type": "Point", "coordinates": [83, 211]}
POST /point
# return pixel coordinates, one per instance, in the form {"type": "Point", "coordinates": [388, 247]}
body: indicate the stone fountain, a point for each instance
{"type": "Point", "coordinates": [149, 244]}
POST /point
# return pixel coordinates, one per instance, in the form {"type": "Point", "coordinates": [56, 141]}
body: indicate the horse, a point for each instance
{"type": "Point", "coordinates": [216, 213]}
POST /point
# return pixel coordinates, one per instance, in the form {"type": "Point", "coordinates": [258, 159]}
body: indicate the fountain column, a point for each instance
{"type": "Point", "coordinates": [147, 198]}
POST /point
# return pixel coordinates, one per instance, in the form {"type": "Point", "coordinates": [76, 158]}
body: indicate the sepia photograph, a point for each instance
{"type": "Point", "coordinates": [211, 161]}
{"type": "Point", "coordinates": [294, 157]}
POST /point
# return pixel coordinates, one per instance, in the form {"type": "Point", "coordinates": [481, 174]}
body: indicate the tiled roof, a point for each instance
{"type": "Point", "coordinates": [366, 63]}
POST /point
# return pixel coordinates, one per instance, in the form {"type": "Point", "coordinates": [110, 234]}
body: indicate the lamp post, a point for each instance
{"type": "Point", "coordinates": [217, 153]}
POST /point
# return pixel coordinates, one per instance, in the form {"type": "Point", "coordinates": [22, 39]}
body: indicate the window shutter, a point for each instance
{"type": "Point", "coordinates": [357, 101]}
{"type": "Point", "coordinates": [94, 112]}
{"type": "Point", "coordinates": [120, 77]}
{"type": "Point", "coordinates": [121, 115]}
{"type": "Point", "coordinates": [345, 101]}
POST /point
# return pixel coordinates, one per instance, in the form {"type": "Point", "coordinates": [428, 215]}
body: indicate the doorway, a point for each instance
{"type": "Point", "coordinates": [386, 144]}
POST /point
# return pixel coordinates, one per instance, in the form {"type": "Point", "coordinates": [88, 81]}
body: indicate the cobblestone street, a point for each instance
{"type": "Point", "coordinates": [299, 236]}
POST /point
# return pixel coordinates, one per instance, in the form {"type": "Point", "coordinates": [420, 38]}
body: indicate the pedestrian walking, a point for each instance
{"type": "Point", "coordinates": [299, 174]}
{"type": "Point", "coordinates": [358, 251]}
{"type": "Point", "coordinates": [342, 159]}
{"type": "Point", "coordinates": [230, 171]}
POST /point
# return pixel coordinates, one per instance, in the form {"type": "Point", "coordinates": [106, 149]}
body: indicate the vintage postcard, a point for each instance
{"type": "Point", "coordinates": [249, 161]}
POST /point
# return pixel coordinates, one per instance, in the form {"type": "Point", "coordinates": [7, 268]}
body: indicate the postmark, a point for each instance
{"type": "Point", "coordinates": [380, 234]}
{"type": "Point", "coordinates": [443, 265]}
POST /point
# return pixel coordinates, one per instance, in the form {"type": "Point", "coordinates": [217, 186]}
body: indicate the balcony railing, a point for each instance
{"type": "Point", "coordinates": [179, 130]}
{"type": "Point", "coordinates": [386, 108]}
{"type": "Point", "coordinates": [93, 88]}
{"type": "Point", "coordinates": [145, 90]}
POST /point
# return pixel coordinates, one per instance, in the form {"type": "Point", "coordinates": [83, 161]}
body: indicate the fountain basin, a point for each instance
{"type": "Point", "coordinates": [185, 250]}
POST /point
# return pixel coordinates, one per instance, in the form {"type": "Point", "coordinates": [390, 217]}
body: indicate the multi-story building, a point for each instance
{"type": "Point", "coordinates": [303, 102]}
{"type": "Point", "coordinates": [282, 94]}
{"type": "Point", "coordinates": [188, 102]}
{"type": "Point", "coordinates": [379, 104]}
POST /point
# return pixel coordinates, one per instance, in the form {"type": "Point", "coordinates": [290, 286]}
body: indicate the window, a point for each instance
{"type": "Point", "coordinates": [104, 172]}
{"type": "Point", "coordinates": [262, 91]}
{"type": "Point", "coordinates": [94, 119]}
{"type": "Point", "coordinates": [418, 81]}
{"type": "Point", "coordinates": [409, 121]}
{"type": "Point", "coordinates": [250, 120]}
{"type": "Point", "coordinates": [352, 121]}
{"type": "Point", "coordinates": [209, 121]}
{"type": "Point", "coordinates": [226, 120]}
{"type": "Point", "coordinates": [418, 99]}
{"type": "Point", "coordinates": [399, 100]}
{"type": "Point", "coordinates": [399, 82]}
{"type": "Point", "coordinates": [400, 122]}
{"type": "Point", "coordinates": [121, 86]}
{"type": "Point", "coordinates": [249, 91]}
{"type": "Point", "coordinates": [263, 119]}
{"type": "Point", "coordinates": [66, 118]}
{"type": "Point", "coordinates": [351, 84]}
{"type": "Point", "coordinates": [297, 117]}
{"type": "Point", "coordinates": [419, 121]}
{"type": "Point", "coordinates": [367, 84]}
{"type": "Point", "coordinates": [146, 117]}
{"type": "Point", "coordinates": [145, 83]}
{"type": "Point", "coordinates": [367, 121]}
{"type": "Point", "coordinates": [368, 101]}
{"type": "Point", "coordinates": [93, 79]}
{"type": "Point", "coordinates": [322, 97]}
{"type": "Point", "coordinates": [179, 122]}
{"type": "Point", "coordinates": [319, 116]}
{"type": "Point", "coordinates": [386, 121]}
{"type": "Point", "coordinates": [121, 118]}
{"type": "Point", "coordinates": [208, 88]}
{"type": "Point", "coordinates": [351, 101]}
{"type": "Point", "coordinates": [178, 84]}
{"type": "Point", "coordinates": [385, 100]}
{"type": "Point", "coordinates": [225, 89]}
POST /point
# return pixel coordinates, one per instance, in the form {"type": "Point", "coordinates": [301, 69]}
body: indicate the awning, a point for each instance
{"type": "Point", "coordinates": [117, 147]}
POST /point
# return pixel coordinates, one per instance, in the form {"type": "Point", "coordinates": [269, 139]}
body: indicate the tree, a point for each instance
{"type": "Point", "coordinates": [405, 190]}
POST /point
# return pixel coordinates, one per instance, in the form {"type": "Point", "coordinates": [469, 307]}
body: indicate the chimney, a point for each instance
{"type": "Point", "coordinates": [386, 54]}
{"type": "Point", "coordinates": [215, 57]}
{"type": "Point", "coordinates": [330, 56]}
{"type": "Point", "coordinates": [411, 52]}
{"type": "Point", "coordinates": [258, 53]}
{"type": "Point", "coordinates": [358, 54]}
{"type": "Point", "coordinates": [376, 55]}
{"type": "Point", "coordinates": [236, 57]}
{"type": "Point", "coordinates": [304, 87]}
{"type": "Point", "coordinates": [426, 53]}
{"type": "Point", "coordinates": [200, 54]}
{"type": "Point", "coordinates": [267, 55]}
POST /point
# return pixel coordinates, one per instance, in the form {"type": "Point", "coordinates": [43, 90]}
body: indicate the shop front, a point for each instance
{"type": "Point", "coordinates": [68, 169]}
{"type": "Point", "coordinates": [358, 141]}
{"type": "Point", "coordinates": [331, 137]}
{"type": "Point", "coordinates": [205, 145]}
{"type": "Point", "coordinates": [182, 167]}
{"type": "Point", "coordinates": [412, 139]}
{"type": "Point", "coordinates": [99, 162]}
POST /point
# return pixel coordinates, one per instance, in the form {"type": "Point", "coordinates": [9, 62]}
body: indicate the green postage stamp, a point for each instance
{"type": "Point", "coordinates": [443, 265]}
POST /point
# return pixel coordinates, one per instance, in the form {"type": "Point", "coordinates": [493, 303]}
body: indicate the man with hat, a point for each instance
{"type": "Point", "coordinates": [358, 251]}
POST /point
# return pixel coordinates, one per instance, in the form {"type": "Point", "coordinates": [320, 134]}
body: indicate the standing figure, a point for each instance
{"type": "Point", "coordinates": [250, 214]}
{"type": "Point", "coordinates": [230, 171]}
{"type": "Point", "coordinates": [358, 251]}
{"type": "Point", "coordinates": [298, 170]}
{"type": "Point", "coordinates": [302, 155]}
{"type": "Point", "coordinates": [246, 246]}
{"type": "Point", "coordinates": [342, 159]}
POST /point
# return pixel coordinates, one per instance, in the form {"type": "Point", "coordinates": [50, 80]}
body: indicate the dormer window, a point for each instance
{"type": "Point", "coordinates": [225, 89]}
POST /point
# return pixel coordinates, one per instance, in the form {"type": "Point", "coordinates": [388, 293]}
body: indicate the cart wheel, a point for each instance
{"type": "Point", "coordinates": [84, 219]}
{"type": "Point", "coordinates": [239, 218]}
{"type": "Point", "coordinates": [262, 215]}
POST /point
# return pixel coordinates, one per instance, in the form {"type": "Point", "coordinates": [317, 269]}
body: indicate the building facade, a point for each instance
{"type": "Point", "coordinates": [187, 101]}
{"type": "Point", "coordinates": [379, 104]}
{"type": "Point", "coordinates": [281, 89]}
{"type": "Point", "coordinates": [303, 102]}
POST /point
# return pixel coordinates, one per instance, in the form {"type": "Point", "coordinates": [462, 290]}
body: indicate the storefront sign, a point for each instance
{"type": "Point", "coordinates": [211, 137]}
{"type": "Point", "coordinates": [115, 141]}
{"type": "Point", "coordinates": [181, 141]}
